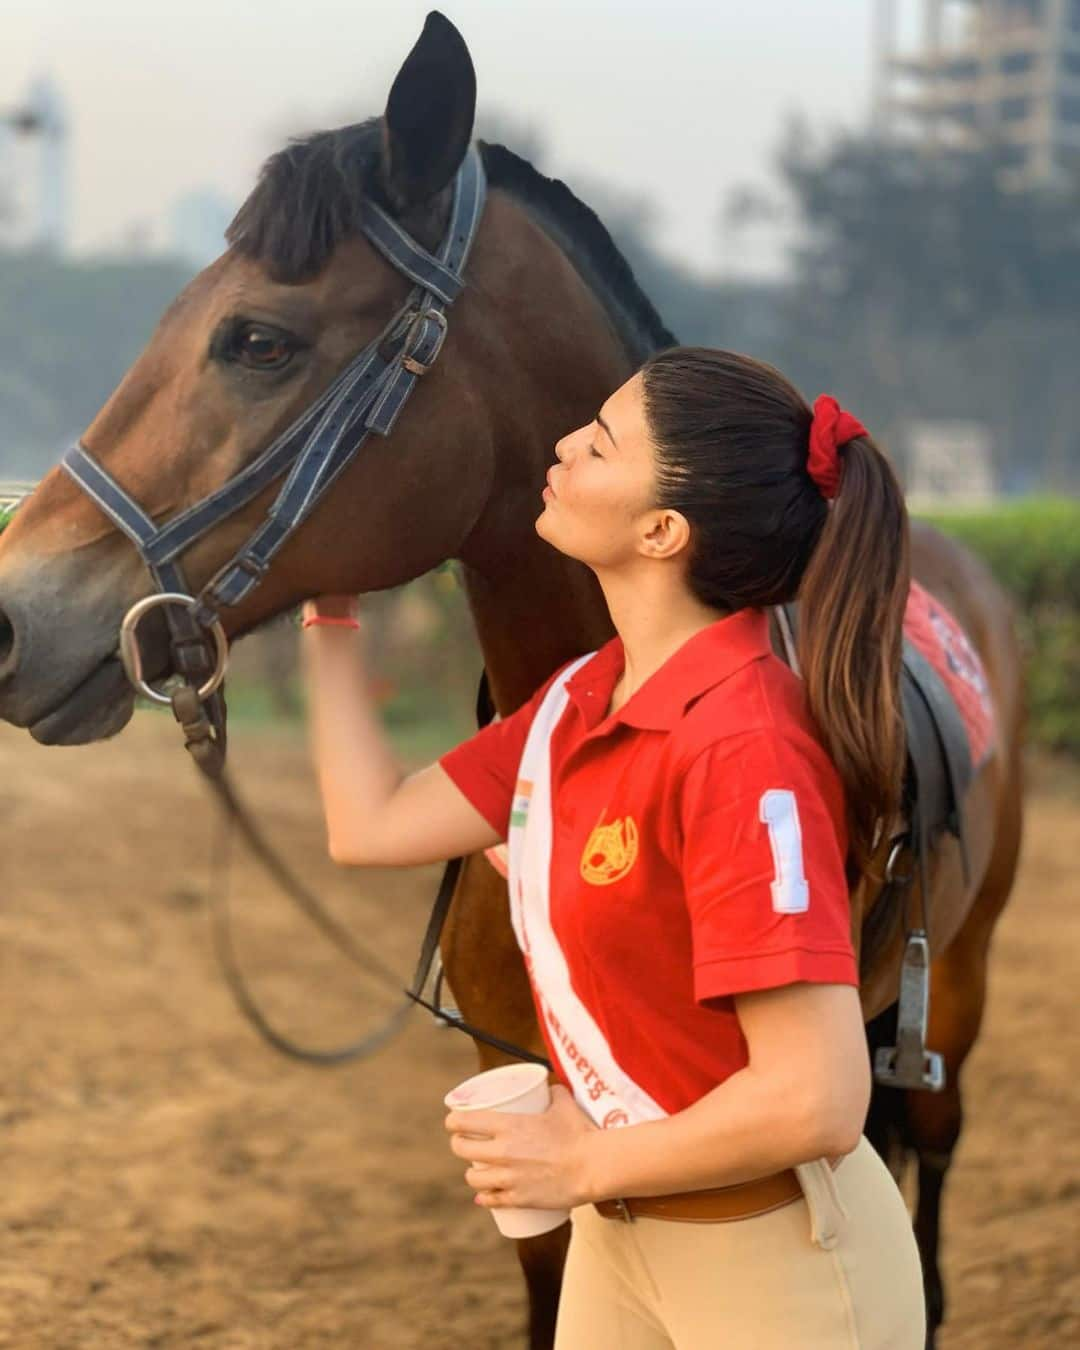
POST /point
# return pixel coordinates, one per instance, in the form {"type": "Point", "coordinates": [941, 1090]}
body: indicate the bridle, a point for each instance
{"type": "Point", "coordinates": [366, 397]}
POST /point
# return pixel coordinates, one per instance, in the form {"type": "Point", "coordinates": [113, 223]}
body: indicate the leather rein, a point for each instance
{"type": "Point", "coordinates": [366, 397]}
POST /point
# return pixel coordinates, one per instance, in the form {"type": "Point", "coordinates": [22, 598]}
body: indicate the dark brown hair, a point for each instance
{"type": "Point", "coordinates": [731, 437]}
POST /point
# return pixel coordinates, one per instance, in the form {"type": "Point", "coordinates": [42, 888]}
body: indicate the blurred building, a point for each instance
{"type": "Point", "coordinates": [974, 72]}
{"type": "Point", "coordinates": [949, 464]}
{"type": "Point", "coordinates": [35, 170]}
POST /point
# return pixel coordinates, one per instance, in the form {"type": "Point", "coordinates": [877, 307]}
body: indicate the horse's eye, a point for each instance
{"type": "Point", "coordinates": [261, 347]}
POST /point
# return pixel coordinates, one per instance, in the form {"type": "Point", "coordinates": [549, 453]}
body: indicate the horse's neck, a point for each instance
{"type": "Point", "coordinates": [534, 608]}
{"type": "Point", "coordinates": [533, 614]}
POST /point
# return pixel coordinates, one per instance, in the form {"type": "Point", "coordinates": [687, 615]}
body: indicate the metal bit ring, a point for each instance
{"type": "Point", "coordinates": [900, 845]}
{"type": "Point", "coordinates": [132, 657]}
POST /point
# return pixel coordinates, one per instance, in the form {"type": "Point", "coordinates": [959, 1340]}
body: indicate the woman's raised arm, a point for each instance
{"type": "Point", "coordinates": [375, 814]}
{"type": "Point", "coordinates": [426, 818]}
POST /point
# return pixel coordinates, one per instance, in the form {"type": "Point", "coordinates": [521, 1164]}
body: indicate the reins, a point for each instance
{"type": "Point", "coordinates": [233, 812]}
{"type": "Point", "coordinates": [366, 397]}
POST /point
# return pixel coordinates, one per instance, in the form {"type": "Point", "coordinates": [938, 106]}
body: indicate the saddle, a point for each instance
{"type": "Point", "coordinates": [938, 773]}
{"type": "Point", "coordinates": [939, 764]}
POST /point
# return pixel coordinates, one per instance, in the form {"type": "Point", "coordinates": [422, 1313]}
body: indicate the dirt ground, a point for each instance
{"type": "Point", "coordinates": [168, 1181]}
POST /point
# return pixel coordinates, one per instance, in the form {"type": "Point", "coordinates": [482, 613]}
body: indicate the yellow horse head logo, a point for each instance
{"type": "Point", "coordinates": [611, 851]}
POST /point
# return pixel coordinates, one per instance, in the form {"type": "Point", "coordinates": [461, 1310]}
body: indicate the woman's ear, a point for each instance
{"type": "Point", "coordinates": [429, 116]}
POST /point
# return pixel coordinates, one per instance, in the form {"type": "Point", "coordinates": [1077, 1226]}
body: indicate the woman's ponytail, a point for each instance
{"type": "Point", "coordinates": [851, 612]}
{"type": "Point", "coordinates": [787, 502]}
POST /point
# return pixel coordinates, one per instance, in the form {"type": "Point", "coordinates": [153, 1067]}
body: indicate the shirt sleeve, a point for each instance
{"type": "Point", "coordinates": [764, 842]}
{"type": "Point", "coordinates": [485, 767]}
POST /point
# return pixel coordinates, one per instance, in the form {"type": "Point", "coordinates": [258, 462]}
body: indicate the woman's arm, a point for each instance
{"type": "Point", "coordinates": [375, 814]}
{"type": "Point", "coordinates": [803, 1095]}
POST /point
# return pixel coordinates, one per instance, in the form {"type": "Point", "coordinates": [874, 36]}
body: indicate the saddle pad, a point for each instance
{"type": "Point", "coordinates": [935, 633]}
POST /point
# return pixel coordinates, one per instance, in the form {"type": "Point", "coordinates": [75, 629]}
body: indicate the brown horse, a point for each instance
{"type": "Point", "coordinates": [550, 323]}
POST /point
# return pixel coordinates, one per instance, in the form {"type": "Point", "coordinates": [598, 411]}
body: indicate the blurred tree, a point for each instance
{"type": "Point", "coordinates": [961, 247]}
{"type": "Point", "coordinates": [922, 288]}
{"type": "Point", "coordinates": [743, 315]}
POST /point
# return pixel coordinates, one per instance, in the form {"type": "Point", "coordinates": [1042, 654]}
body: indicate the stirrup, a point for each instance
{"type": "Point", "coordinates": [908, 1063]}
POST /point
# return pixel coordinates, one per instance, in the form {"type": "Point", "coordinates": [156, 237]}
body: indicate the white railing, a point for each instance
{"type": "Point", "coordinates": [12, 493]}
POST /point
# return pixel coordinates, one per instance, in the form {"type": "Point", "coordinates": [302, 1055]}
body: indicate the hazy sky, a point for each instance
{"type": "Point", "coordinates": [684, 100]}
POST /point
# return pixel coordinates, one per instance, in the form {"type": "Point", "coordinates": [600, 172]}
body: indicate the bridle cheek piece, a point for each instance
{"type": "Point", "coordinates": [367, 396]}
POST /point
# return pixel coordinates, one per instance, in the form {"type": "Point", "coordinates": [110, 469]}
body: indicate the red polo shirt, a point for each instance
{"type": "Point", "coordinates": [698, 845]}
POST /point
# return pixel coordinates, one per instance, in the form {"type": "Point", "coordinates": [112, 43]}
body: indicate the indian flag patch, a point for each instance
{"type": "Point", "coordinates": [519, 808]}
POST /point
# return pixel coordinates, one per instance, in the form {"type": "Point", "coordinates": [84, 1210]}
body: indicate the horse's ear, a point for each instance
{"type": "Point", "coordinates": [429, 115]}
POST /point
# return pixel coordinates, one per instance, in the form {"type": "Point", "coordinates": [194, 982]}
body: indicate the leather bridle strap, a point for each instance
{"type": "Point", "coordinates": [342, 939]}
{"type": "Point", "coordinates": [367, 396]}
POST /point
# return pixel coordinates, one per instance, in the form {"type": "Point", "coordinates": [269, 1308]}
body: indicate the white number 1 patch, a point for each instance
{"type": "Point", "coordinates": [778, 810]}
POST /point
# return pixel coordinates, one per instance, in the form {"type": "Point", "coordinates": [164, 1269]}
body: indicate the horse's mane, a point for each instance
{"type": "Point", "coordinates": [308, 198]}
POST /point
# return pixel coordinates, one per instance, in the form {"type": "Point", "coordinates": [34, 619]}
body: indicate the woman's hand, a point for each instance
{"type": "Point", "coordinates": [331, 607]}
{"type": "Point", "coordinates": [539, 1162]}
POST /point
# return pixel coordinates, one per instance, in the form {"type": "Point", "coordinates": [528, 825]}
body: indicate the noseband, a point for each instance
{"type": "Point", "coordinates": [367, 396]}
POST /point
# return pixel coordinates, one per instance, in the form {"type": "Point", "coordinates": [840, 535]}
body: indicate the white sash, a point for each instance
{"type": "Point", "coordinates": [601, 1086]}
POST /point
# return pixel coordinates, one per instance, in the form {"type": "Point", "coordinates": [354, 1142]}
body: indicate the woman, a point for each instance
{"type": "Point", "coordinates": [681, 810]}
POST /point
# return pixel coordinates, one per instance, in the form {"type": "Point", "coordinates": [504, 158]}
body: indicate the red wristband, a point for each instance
{"type": "Point", "coordinates": [328, 621]}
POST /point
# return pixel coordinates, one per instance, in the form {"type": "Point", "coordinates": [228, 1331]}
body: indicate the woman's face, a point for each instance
{"type": "Point", "coordinates": [600, 506]}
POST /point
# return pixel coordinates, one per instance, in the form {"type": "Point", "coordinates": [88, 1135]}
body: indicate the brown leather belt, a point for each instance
{"type": "Point", "coordinates": [722, 1204]}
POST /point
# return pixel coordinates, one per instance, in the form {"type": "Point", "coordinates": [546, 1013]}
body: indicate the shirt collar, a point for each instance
{"type": "Point", "coordinates": [704, 660]}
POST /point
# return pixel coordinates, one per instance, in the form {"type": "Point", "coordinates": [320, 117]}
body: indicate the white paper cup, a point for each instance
{"type": "Point", "coordinates": [523, 1090]}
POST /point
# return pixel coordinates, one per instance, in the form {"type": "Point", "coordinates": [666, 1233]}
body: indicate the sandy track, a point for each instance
{"type": "Point", "coordinates": [170, 1182]}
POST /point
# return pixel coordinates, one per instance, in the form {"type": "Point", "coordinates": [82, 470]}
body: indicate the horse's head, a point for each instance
{"type": "Point", "coordinates": [237, 358]}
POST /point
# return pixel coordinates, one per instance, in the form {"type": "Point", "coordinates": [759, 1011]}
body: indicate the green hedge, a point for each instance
{"type": "Point", "coordinates": [1033, 548]}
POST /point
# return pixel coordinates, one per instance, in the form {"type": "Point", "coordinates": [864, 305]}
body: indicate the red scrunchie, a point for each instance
{"type": "Point", "coordinates": [831, 428]}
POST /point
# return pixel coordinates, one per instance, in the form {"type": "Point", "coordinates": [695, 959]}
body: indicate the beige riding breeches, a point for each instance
{"type": "Point", "coordinates": [837, 1269]}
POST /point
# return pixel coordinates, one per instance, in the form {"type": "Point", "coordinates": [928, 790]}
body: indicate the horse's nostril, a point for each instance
{"type": "Point", "coordinates": [7, 640]}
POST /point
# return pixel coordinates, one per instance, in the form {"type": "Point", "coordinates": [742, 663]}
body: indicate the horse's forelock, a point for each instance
{"type": "Point", "coordinates": [309, 196]}
{"type": "Point", "coordinates": [307, 201]}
